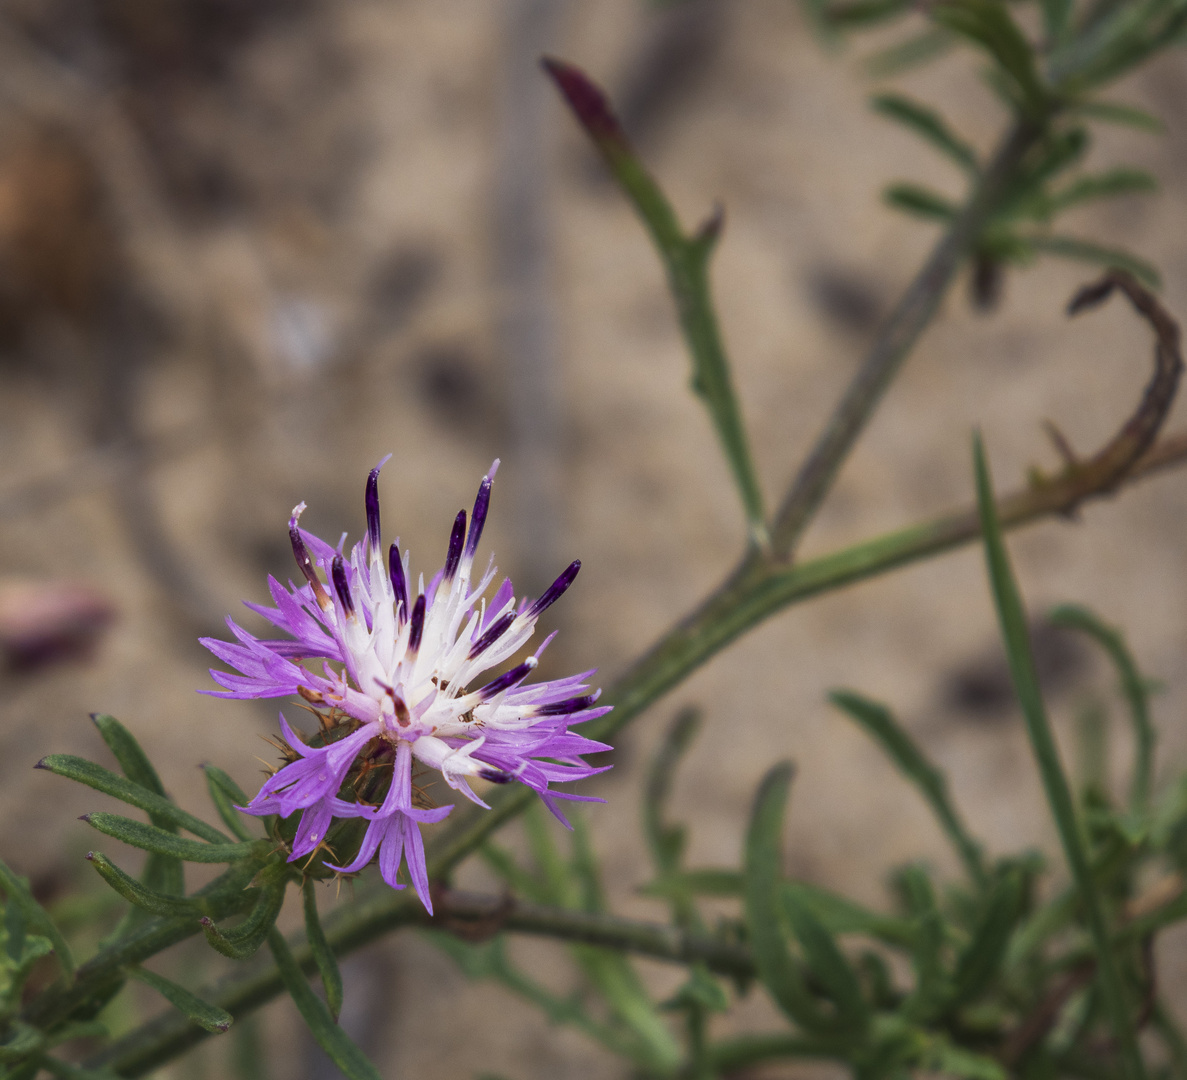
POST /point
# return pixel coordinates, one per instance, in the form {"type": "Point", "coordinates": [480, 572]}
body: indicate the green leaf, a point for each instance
{"type": "Point", "coordinates": [988, 24]}
{"type": "Point", "coordinates": [243, 940]}
{"type": "Point", "coordinates": [141, 895]}
{"type": "Point", "coordinates": [338, 1046]}
{"type": "Point", "coordinates": [1105, 185]}
{"type": "Point", "coordinates": [911, 53]}
{"type": "Point", "coordinates": [667, 841]}
{"type": "Point", "coordinates": [1013, 622]}
{"type": "Point", "coordinates": [981, 960]}
{"type": "Point", "coordinates": [943, 1057]}
{"type": "Point", "coordinates": [1068, 247]}
{"type": "Point", "coordinates": [165, 812]}
{"type": "Point", "coordinates": [226, 795]}
{"type": "Point", "coordinates": [929, 125]}
{"type": "Point", "coordinates": [1134, 685]}
{"type": "Point", "coordinates": [16, 889]}
{"type": "Point", "coordinates": [839, 915]}
{"type": "Point", "coordinates": [1114, 112]}
{"type": "Point", "coordinates": [920, 201]}
{"type": "Point", "coordinates": [880, 723]}
{"type": "Point", "coordinates": [323, 955]}
{"type": "Point", "coordinates": [779, 971]}
{"type": "Point", "coordinates": [931, 981]}
{"type": "Point", "coordinates": [1056, 14]}
{"type": "Point", "coordinates": [826, 961]}
{"type": "Point", "coordinates": [150, 838]}
{"type": "Point", "coordinates": [129, 753]}
{"type": "Point", "coordinates": [65, 1071]}
{"type": "Point", "coordinates": [208, 1017]}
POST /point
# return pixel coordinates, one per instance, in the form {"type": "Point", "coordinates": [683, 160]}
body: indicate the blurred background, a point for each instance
{"type": "Point", "coordinates": [247, 250]}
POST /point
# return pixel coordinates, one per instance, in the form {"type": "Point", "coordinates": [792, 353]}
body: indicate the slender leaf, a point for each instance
{"type": "Point", "coordinates": [981, 960]}
{"type": "Point", "coordinates": [150, 838]}
{"type": "Point", "coordinates": [1113, 112]}
{"type": "Point", "coordinates": [101, 779]}
{"type": "Point", "coordinates": [208, 1017]}
{"type": "Point", "coordinates": [226, 795]}
{"type": "Point", "coordinates": [1105, 185]}
{"type": "Point", "coordinates": [879, 722]}
{"type": "Point", "coordinates": [141, 895]}
{"type": "Point", "coordinates": [1134, 685]}
{"type": "Point", "coordinates": [931, 981]}
{"type": "Point", "coordinates": [243, 940]}
{"type": "Point", "coordinates": [919, 201]}
{"type": "Point", "coordinates": [667, 841]}
{"type": "Point", "coordinates": [129, 753]}
{"type": "Point", "coordinates": [323, 955]}
{"type": "Point", "coordinates": [1068, 247]}
{"type": "Point", "coordinates": [910, 53]}
{"type": "Point", "coordinates": [928, 124]}
{"type": "Point", "coordinates": [16, 889]}
{"type": "Point", "coordinates": [1012, 619]}
{"type": "Point", "coordinates": [779, 971]}
{"type": "Point", "coordinates": [828, 964]}
{"type": "Point", "coordinates": [338, 1046]}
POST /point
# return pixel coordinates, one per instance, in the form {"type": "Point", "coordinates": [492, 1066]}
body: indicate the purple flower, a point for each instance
{"type": "Point", "coordinates": [400, 677]}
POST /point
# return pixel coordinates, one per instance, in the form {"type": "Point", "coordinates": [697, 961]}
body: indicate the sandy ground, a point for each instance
{"type": "Point", "coordinates": [353, 301]}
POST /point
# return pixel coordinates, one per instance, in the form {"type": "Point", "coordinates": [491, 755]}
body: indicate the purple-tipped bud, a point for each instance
{"type": "Point", "coordinates": [305, 563]}
{"type": "Point", "coordinates": [399, 586]}
{"type": "Point", "coordinates": [418, 624]}
{"type": "Point", "coordinates": [372, 501]}
{"type": "Point", "coordinates": [478, 518]}
{"type": "Point", "coordinates": [493, 633]}
{"type": "Point", "coordinates": [338, 573]}
{"type": "Point", "coordinates": [569, 705]}
{"type": "Point", "coordinates": [555, 591]}
{"type": "Point", "coordinates": [456, 539]}
{"type": "Point", "coordinates": [505, 682]}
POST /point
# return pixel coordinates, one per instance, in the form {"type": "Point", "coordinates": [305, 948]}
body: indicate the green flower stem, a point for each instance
{"type": "Point", "coordinates": [743, 601]}
{"type": "Point", "coordinates": [895, 341]}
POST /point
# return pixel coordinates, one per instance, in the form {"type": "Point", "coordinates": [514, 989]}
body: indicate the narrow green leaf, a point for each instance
{"type": "Point", "coordinates": [928, 124]}
{"type": "Point", "coordinates": [988, 24]}
{"type": "Point", "coordinates": [945, 1058]}
{"type": "Point", "coordinates": [981, 960]}
{"type": "Point", "coordinates": [150, 838]}
{"type": "Point", "coordinates": [920, 201]}
{"type": "Point", "coordinates": [16, 889]}
{"type": "Point", "coordinates": [104, 780]}
{"type": "Point", "coordinates": [826, 961]}
{"type": "Point", "coordinates": [1114, 112]}
{"type": "Point", "coordinates": [503, 863]}
{"type": "Point", "coordinates": [1012, 619]}
{"type": "Point", "coordinates": [879, 722]}
{"type": "Point", "coordinates": [226, 795]}
{"type": "Point", "coordinates": [667, 841]}
{"type": "Point", "coordinates": [249, 1059]}
{"type": "Point", "coordinates": [839, 915]}
{"type": "Point", "coordinates": [323, 955]}
{"type": "Point", "coordinates": [1056, 14]}
{"type": "Point", "coordinates": [555, 883]}
{"type": "Point", "coordinates": [852, 14]}
{"type": "Point", "coordinates": [243, 940]}
{"type": "Point", "coordinates": [21, 1040]}
{"type": "Point", "coordinates": [1134, 685]}
{"type": "Point", "coordinates": [141, 895]}
{"type": "Point", "coordinates": [779, 971]}
{"type": "Point", "coordinates": [338, 1046]}
{"type": "Point", "coordinates": [910, 53]}
{"type": "Point", "coordinates": [208, 1017]}
{"type": "Point", "coordinates": [1068, 247]}
{"type": "Point", "coordinates": [686, 261]}
{"type": "Point", "coordinates": [1105, 185]}
{"type": "Point", "coordinates": [129, 753]}
{"type": "Point", "coordinates": [931, 982]}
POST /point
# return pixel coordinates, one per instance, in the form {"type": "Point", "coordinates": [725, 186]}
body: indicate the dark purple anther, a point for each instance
{"type": "Point", "coordinates": [456, 539]}
{"type": "Point", "coordinates": [372, 501]}
{"type": "Point", "coordinates": [305, 563]}
{"type": "Point", "coordinates": [563, 708]}
{"type": "Point", "coordinates": [400, 587]}
{"type": "Point", "coordinates": [493, 633]}
{"type": "Point", "coordinates": [418, 624]}
{"type": "Point", "coordinates": [555, 591]}
{"type": "Point", "coordinates": [478, 518]}
{"type": "Point", "coordinates": [505, 682]}
{"type": "Point", "coordinates": [338, 573]}
{"type": "Point", "coordinates": [496, 776]}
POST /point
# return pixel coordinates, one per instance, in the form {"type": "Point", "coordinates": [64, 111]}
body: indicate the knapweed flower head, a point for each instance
{"type": "Point", "coordinates": [400, 681]}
